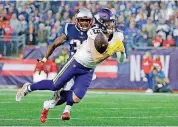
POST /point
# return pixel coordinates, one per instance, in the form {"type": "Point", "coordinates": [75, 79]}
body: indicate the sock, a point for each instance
{"type": "Point", "coordinates": [61, 101]}
{"type": "Point", "coordinates": [43, 85]}
{"type": "Point", "coordinates": [29, 89]}
{"type": "Point", "coordinates": [67, 108]}
{"type": "Point", "coordinates": [70, 103]}
{"type": "Point", "coordinates": [66, 96]}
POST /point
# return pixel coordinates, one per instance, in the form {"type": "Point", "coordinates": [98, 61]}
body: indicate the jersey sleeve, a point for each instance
{"type": "Point", "coordinates": [120, 36]}
{"type": "Point", "coordinates": [120, 43]}
{"type": "Point", "coordinates": [63, 29]}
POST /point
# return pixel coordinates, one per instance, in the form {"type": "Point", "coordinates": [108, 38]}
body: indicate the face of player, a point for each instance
{"type": "Point", "coordinates": [84, 24]}
{"type": "Point", "coordinates": [110, 26]}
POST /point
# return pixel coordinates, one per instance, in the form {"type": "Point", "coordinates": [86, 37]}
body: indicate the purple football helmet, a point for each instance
{"type": "Point", "coordinates": [106, 20]}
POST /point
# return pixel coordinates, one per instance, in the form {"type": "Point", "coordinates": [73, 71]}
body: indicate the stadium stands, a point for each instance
{"type": "Point", "coordinates": [28, 27]}
{"type": "Point", "coordinates": [38, 22]}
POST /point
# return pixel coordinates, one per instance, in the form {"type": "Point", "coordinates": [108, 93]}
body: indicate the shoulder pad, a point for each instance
{"type": "Point", "coordinates": [93, 32]}
{"type": "Point", "coordinates": [63, 29]}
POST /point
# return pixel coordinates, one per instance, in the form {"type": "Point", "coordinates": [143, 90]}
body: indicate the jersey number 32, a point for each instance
{"type": "Point", "coordinates": [76, 44]}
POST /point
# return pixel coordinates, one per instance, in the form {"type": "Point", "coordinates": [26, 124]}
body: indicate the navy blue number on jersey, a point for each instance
{"type": "Point", "coordinates": [74, 36]}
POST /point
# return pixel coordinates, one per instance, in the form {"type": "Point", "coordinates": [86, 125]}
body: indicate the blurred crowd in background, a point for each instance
{"type": "Point", "coordinates": [144, 24]}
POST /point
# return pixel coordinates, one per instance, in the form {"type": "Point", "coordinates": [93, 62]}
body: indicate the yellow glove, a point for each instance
{"type": "Point", "coordinates": [118, 46]}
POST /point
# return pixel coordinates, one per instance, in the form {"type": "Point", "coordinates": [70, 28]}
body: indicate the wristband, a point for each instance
{"type": "Point", "coordinates": [44, 59]}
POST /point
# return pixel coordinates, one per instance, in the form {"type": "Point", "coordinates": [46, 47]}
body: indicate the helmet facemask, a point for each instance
{"type": "Point", "coordinates": [84, 24]}
{"type": "Point", "coordinates": [109, 26]}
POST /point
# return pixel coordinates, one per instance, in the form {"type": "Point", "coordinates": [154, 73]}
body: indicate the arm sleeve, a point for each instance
{"type": "Point", "coordinates": [121, 57]}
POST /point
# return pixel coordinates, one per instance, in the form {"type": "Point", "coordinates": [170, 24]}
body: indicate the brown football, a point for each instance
{"type": "Point", "coordinates": [101, 42]}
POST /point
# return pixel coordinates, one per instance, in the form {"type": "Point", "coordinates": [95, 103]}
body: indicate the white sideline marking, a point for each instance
{"type": "Point", "coordinates": [13, 101]}
{"type": "Point", "coordinates": [131, 93]}
{"type": "Point", "coordinates": [103, 92]}
{"type": "Point", "coordinates": [97, 109]}
{"type": "Point", "coordinates": [39, 93]}
{"type": "Point", "coordinates": [119, 117]}
{"type": "Point", "coordinates": [37, 99]}
{"type": "Point", "coordinates": [26, 119]}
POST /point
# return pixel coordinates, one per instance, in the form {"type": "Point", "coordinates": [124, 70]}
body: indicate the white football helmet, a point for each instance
{"type": "Point", "coordinates": [84, 19]}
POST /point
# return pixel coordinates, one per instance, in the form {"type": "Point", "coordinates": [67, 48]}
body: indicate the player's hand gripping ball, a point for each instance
{"type": "Point", "coordinates": [101, 42]}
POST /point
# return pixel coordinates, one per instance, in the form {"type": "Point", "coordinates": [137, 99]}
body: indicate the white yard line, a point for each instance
{"type": "Point", "coordinates": [96, 108]}
{"type": "Point", "coordinates": [86, 118]}
{"type": "Point", "coordinates": [131, 93]}
{"type": "Point", "coordinates": [83, 108]}
{"type": "Point", "coordinates": [35, 102]}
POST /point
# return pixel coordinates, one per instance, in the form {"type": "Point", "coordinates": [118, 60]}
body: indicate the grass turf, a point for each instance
{"type": "Point", "coordinates": [96, 109]}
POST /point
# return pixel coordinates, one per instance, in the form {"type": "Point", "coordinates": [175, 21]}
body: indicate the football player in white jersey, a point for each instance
{"type": "Point", "coordinates": [103, 41]}
{"type": "Point", "coordinates": [75, 34]}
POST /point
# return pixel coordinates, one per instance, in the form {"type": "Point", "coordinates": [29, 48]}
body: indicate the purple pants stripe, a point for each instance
{"type": "Point", "coordinates": [72, 69]}
{"type": "Point", "coordinates": [63, 69]}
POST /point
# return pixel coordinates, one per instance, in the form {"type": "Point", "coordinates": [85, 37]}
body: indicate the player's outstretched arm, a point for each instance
{"type": "Point", "coordinates": [121, 57]}
{"type": "Point", "coordinates": [41, 62]}
{"type": "Point", "coordinates": [58, 41]}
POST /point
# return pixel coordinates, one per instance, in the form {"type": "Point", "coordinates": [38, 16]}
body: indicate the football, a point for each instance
{"type": "Point", "coordinates": [101, 42]}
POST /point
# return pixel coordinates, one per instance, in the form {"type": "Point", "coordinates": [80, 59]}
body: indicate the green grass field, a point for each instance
{"type": "Point", "coordinates": [98, 108]}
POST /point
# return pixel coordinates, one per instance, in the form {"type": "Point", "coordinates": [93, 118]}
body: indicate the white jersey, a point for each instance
{"type": "Point", "coordinates": [84, 56]}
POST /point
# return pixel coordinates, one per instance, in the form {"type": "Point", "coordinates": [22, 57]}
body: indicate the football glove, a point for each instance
{"type": "Point", "coordinates": [116, 47]}
{"type": "Point", "coordinates": [41, 65]}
